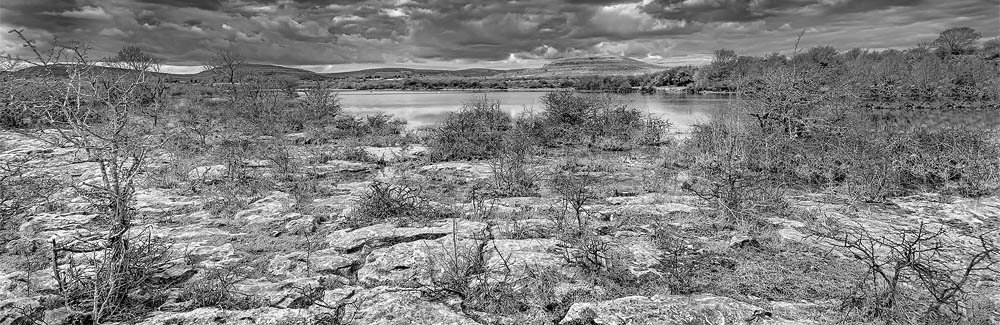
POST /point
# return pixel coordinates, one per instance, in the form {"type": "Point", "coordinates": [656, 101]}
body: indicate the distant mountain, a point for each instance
{"type": "Point", "coordinates": [601, 65]}
{"type": "Point", "coordinates": [392, 73]}
{"type": "Point", "coordinates": [62, 70]}
{"type": "Point", "coordinates": [265, 70]}
{"type": "Point", "coordinates": [571, 67]}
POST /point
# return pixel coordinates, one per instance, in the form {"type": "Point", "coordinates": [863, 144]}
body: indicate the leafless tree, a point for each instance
{"type": "Point", "coordinates": [227, 62]}
{"type": "Point", "coordinates": [151, 92]}
{"type": "Point", "coordinates": [94, 111]}
{"type": "Point", "coordinates": [957, 40]}
{"type": "Point", "coordinates": [134, 58]}
{"type": "Point", "coordinates": [318, 106]}
{"type": "Point", "coordinates": [724, 56]}
{"type": "Point", "coordinates": [575, 189]}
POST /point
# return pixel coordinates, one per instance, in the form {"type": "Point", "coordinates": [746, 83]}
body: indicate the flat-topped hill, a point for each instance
{"type": "Point", "coordinates": [591, 65]}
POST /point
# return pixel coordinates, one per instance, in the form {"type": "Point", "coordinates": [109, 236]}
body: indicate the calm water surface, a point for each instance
{"type": "Point", "coordinates": [423, 108]}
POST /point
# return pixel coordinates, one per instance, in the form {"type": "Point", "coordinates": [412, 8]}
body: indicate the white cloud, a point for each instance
{"type": "Point", "coordinates": [627, 18]}
{"type": "Point", "coordinates": [395, 12]}
{"type": "Point", "coordinates": [339, 19]}
{"type": "Point", "coordinates": [112, 32]}
{"type": "Point", "coordinates": [86, 12]}
{"type": "Point", "coordinates": [191, 29]}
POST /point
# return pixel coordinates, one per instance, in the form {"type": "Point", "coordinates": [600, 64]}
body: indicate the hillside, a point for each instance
{"type": "Point", "coordinates": [268, 71]}
{"type": "Point", "coordinates": [588, 66]}
{"type": "Point", "coordinates": [62, 70]}
{"type": "Point", "coordinates": [570, 67]}
{"type": "Point", "coordinates": [391, 73]}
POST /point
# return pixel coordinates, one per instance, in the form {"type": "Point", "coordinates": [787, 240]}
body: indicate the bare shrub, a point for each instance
{"type": "Point", "coordinates": [197, 119]}
{"type": "Point", "coordinates": [216, 287]}
{"type": "Point", "coordinates": [474, 132]}
{"type": "Point", "coordinates": [381, 125]}
{"type": "Point", "coordinates": [511, 176]}
{"type": "Point", "coordinates": [113, 285]}
{"type": "Point", "coordinates": [257, 101]}
{"type": "Point", "coordinates": [95, 110]}
{"type": "Point", "coordinates": [592, 254]}
{"type": "Point", "coordinates": [20, 192]}
{"type": "Point", "coordinates": [680, 263]}
{"type": "Point", "coordinates": [465, 271]}
{"type": "Point", "coordinates": [618, 127]}
{"type": "Point", "coordinates": [573, 119]}
{"type": "Point", "coordinates": [356, 153]}
{"type": "Point", "coordinates": [400, 201]}
{"type": "Point", "coordinates": [731, 167]}
{"type": "Point", "coordinates": [913, 273]}
{"type": "Point", "coordinates": [318, 107]}
{"type": "Point", "coordinates": [874, 125]}
{"type": "Point", "coordinates": [374, 130]}
{"type": "Point", "coordinates": [233, 154]}
{"type": "Point", "coordinates": [278, 151]}
{"type": "Point", "coordinates": [605, 263]}
{"type": "Point", "coordinates": [575, 188]}
{"type": "Point", "coordinates": [244, 184]}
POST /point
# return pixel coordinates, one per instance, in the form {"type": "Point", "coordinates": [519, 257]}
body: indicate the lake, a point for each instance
{"type": "Point", "coordinates": [422, 108]}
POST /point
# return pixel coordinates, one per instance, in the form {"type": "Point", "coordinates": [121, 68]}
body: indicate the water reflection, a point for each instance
{"type": "Point", "coordinates": [421, 108]}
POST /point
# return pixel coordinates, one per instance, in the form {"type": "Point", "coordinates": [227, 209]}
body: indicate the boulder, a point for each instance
{"type": "Point", "coordinates": [293, 293]}
{"type": "Point", "coordinates": [211, 256]}
{"type": "Point", "coordinates": [743, 241]}
{"type": "Point", "coordinates": [525, 228]}
{"type": "Point", "coordinates": [522, 254]}
{"type": "Point", "coordinates": [392, 154]}
{"type": "Point", "coordinates": [386, 234]}
{"type": "Point", "coordinates": [400, 306]}
{"type": "Point", "coordinates": [464, 170]}
{"type": "Point", "coordinates": [155, 200]}
{"type": "Point", "coordinates": [415, 262]}
{"type": "Point", "coordinates": [333, 167]}
{"type": "Point", "coordinates": [303, 225]}
{"type": "Point", "coordinates": [64, 228]}
{"type": "Point", "coordinates": [258, 316]}
{"type": "Point", "coordinates": [662, 309]}
{"type": "Point", "coordinates": [301, 264]}
{"type": "Point", "coordinates": [268, 210]}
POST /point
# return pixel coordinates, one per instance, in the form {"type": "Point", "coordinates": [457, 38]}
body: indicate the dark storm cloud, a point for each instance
{"type": "Point", "coordinates": [317, 32]}
{"type": "Point", "coordinates": [750, 10]}
{"type": "Point", "coordinates": [200, 4]}
{"type": "Point", "coordinates": [706, 10]}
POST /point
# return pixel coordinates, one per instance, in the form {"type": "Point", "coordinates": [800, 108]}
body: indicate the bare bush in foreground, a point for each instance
{"type": "Point", "coordinates": [914, 272]}
{"type": "Point", "coordinates": [95, 110]}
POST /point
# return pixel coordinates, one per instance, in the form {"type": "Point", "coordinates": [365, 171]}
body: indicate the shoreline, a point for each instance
{"type": "Point", "coordinates": [659, 90]}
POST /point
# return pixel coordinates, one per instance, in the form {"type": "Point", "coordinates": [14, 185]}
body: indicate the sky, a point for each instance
{"type": "Point", "coordinates": [342, 35]}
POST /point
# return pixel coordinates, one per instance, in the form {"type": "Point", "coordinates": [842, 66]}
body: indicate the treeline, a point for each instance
{"type": "Point", "coordinates": [871, 125]}
{"type": "Point", "coordinates": [676, 77]}
{"type": "Point", "coordinates": [952, 65]}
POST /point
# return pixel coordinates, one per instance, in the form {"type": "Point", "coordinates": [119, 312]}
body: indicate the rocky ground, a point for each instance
{"type": "Point", "coordinates": [303, 264]}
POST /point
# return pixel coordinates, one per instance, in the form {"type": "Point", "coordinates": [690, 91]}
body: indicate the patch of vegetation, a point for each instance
{"type": "Point", "coordinates": [585, 119]}
{"type": "Point", "coordinates": [216, 287]}
{"type": "Point", "coordinates": [915, 274]}
{"type": "Point", "coordinates": [575, 188]}
{"type": "Point", "coordinates": [401, 201]}
{"type": "Point", "coordinates": [870, 125]}
{"type": "Point", "coordinates": [475, 132]}
{"type": "Point", "coordinates": [511, 175]}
